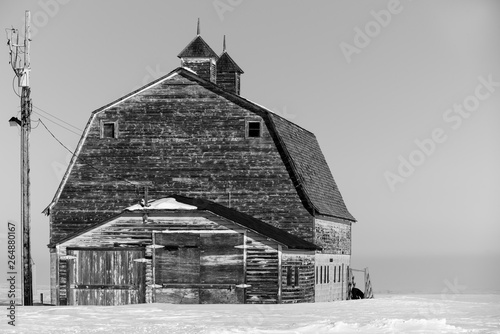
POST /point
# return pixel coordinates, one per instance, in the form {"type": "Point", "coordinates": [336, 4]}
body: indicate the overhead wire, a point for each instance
{"type": "Point", "coordinates": [14, 51]}
{"type": "Point", "coordinates": [83, 160]}
{"type": "Point", "coordinates": [60, 143]}
{"type": "Point", "coordinates": [62, 126]}
{"type": "Point", "coordinates": [36, 125]}
{"type": "Point", "coordinates": [46, 112]}
{"type": "Point", "coordinates": [13, 85]}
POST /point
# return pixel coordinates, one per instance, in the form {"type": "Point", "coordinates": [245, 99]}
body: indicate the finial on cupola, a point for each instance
{"type": "Point", "coordinates": [199, 57]}
{"type": "Point", "coordinates": [224, 44]}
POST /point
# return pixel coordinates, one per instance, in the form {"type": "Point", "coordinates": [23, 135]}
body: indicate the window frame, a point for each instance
{"type": "Point", "coordinates": [115, 128]}
{"type": "Point", "coordinates": [247, 128]}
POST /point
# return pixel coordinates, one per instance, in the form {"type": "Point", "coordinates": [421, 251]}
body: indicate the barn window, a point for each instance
{"type": "Point", "coordinates": [334, 274]}
{"type": "Point", "coordinates": [339, 273]}
{"type": "Point", "coordinates": [109, 130]}
{"type": "Point", "coordinates": [317, 275]}
{"type": "Point", "coordinates": [296, 276]}
{"type": "Point", "coordinates": [321, 275]}
{"type": "Point", "coordinates": [327, 274]}
{"type": "Point", "coordinates": [288, 275]}
{"type": "Point", "coordinates": [254, 129]}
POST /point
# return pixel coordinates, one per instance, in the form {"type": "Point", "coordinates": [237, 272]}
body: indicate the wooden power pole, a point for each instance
{"type": "Point", "coordinates": [25, 165]}
{"type": "Point", "coordinates": [20, 61]}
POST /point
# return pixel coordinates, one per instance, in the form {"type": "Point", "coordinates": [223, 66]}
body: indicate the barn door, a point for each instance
{"type": "Point", "coordinates": [199, 268]}
{"type": "Point", "coordinates": [105, 277]}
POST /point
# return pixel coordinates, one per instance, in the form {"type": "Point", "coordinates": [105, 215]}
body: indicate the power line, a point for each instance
{"type": "Point", "coordinates": [34, 127]}
{"type": "Point", "coordinates": [46, 112]}
{"type": "Point", "coordinates": [62, 126]}
{"type": "Point", "coordinates": [83, 160]}
{"type": "Point", "coordinates": [13, 86]}
{"type": "Point", "coordinates": [41, 122]}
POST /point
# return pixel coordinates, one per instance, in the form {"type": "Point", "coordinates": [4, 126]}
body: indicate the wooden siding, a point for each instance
{"type": "Point", "coordinates": [199, 267]}
{"type": "Point", "coordinates": [262, 271]}
{"type": "Point", "coordinates": [63, 278]}
{"type": "Point", "coordinates": [179, 261]}
{"type": "Point", "coordinates": [54, 284]}
{"type": "Point", "coordinates": [205, 68]}
{"type": "Point", "coordinates": [181, 138]}
{"type": "Point", "coordinates": [136, 230]}
{"type": "Point", "coordinates": [260, 254]}
{"type": "Point", "coordinates": [230, 81]}
{"type": "Point", "coordinates": [301, 291]}
{"type": "Point", "coordinates": [221, 262]}
{"type": "Point", "coordinates": [105, 277]}
{"type": "Point", "coordinates": [334, 236]}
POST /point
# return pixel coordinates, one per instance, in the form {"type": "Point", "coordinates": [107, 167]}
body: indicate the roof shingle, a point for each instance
{"type": "Point", "coordinates": [311, 168]}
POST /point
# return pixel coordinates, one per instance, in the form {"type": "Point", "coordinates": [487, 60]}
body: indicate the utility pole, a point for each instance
{"type": "Point", "coordinates": [22, 70]}
{"type": "Point", "coordinates": [25, 179]}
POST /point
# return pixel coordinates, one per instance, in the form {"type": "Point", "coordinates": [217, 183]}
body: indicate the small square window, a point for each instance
{"type": "Point", "coordinates": [109, 130]}
{"type": "Point", "coordinates": [254, 130]}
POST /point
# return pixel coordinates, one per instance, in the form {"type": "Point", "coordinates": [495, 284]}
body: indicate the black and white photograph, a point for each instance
{"type": "Point", "coordinates": [250, 166]}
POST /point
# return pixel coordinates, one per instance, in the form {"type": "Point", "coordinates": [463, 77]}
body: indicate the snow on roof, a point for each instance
{"type": "Point", "coordinates": [162, 204]}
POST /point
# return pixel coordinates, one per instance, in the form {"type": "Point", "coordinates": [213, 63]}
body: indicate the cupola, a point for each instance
{"type": "Point", "coordinates": [228, 72]}
{"type": "Point", "coordinates": [199, 57]}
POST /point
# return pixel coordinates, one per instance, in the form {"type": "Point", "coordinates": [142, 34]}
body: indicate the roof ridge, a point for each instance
{"type": "Point", "coordinates": [265, 109]}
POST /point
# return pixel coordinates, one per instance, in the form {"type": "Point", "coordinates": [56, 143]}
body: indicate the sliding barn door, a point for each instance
{"type": "Point", "coordinates": [105, 277]}
{"type": "Point", "coordinates": [199, 268]}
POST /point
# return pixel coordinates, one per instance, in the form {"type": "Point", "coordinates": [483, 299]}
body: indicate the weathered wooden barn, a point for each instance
{"type": "Point", "coordinates": [245, 207]}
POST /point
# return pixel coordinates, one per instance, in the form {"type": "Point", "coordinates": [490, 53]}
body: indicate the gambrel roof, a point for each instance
{"type": "Point", "coordinates": [310, 167]}
{"type": "Point", "coordinates": [299, 150]}
{"type": "Point", "coordinates": [187, 204]}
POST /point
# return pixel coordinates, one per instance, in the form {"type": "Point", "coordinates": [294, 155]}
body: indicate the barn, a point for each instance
{"type": "Point", "coordinates": [183, 191]}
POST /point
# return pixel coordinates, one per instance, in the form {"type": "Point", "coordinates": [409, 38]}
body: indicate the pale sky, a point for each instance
{"type": "Point", "coordinates": [403, 97]}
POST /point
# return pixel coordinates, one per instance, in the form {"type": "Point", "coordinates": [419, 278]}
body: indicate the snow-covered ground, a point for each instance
{"type": "Point", "coordinates": [384, 314]}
